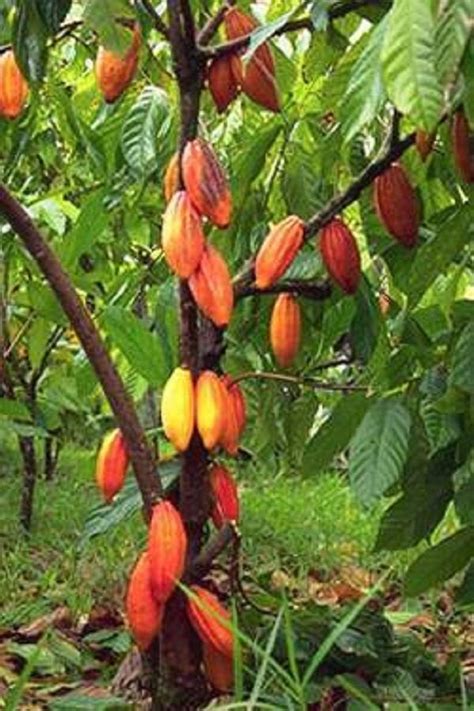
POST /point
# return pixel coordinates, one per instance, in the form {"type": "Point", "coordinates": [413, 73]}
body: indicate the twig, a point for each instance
{"type": "Point", "coordinates": [158, 23]}
{"type": "Point", "coordinates": [316, 290]}
{"type": "Point", "coordinates": [213, 24]}
{"type": "Point", "coordinates": [201, 565]}
{"type": "Point", "coordinates": [303, 380]}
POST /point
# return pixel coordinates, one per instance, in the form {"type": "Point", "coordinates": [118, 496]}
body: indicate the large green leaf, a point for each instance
{"type": "Point", "coordinates": [462, 374]}
{"type": "Point", "coordinates": [53, 12]}
{"type": "Point", "coordinates": [100, 16]}
{"type": "Point", "coordinates": [453, 28]}
{"type": "Point", "coordinates": [146, 121]}
{"type": "Point", "coordinates": [408, 59]}
{"type": "Point", "coordinates": [29, 41]}
{"type": "Point", "coordinates": [14, 409]}
{"type": "Point", "coordinates": [140, 347]}
{"type": "Point", "coordinates": [90, 224]}
{"type": "Point", "coordinates": [379, 449]}
{"type": "Point", "coordinates": [440, 562]}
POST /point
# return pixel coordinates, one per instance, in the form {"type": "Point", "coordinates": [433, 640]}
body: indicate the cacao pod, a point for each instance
{"type": "Point", "coordinates": [206, 182]}
{"type": "Point", "coordinates": [182, 236]}
{"type": "Point", "coordinates": [144, 614]}
{"type": "Point", "coordinates": [222, 83]}
{"type": "Point", "coordinates": [340, 255]}
{"type": "Point", "coordinates": [463, 146]}
{"type": "Point", "coordinates": [218, 668]}
{"type": "Point", "coordinates": [171, 179]}
{"type": "Point", "coordinates": [278, 251]}
{"type": "Point", "coordinates": [384, 303]}
{"type": "Point", "coordinates": [424, 143]}
{"type": "Point", "coordinates": [226, 498]}
{"type": "Point", "coordinates": [13, 87]}
{"type": "Point", "coordinates": [112, 464]}
{"type": "Point", "coordinates": [285, 329]}
{"type": "Point", "coordinates": [211, 621]}
{"type": "Point", "coordinates": [114, 73]}
{"type": "Point", "coordinates": [396, 205]}
{"type": "Point", "coordinates": [211, 413]}
{"type": "Point", "coordinates": [167, 545]}
{"type": "Point", "coordinates": [178, 408]}
{"type": "Point", "coordinates": [235, 391]}
{"type": "Point", "coordinates": [233, 427]}
{"type": "Point", "coordinates": [211, 287]}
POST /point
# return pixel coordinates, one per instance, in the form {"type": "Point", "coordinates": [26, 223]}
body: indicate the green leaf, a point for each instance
{"type": "Point", "coordinates": [140, 347]}
{"type": "Point", "coordinates": [379, 449]}
{"type": "Point", "coordinates": [146, 121]}
{"type": "Point", "coordinates": [408, 59]}
{"type": "Point", "coordinates": [440, 562]}
{"type": "Point", "coordinates": [452, 32]}
{"type": "Point", "coordinates": [263, 32]}
{"type": "Point", "coordinates": [89, 226]}
{"type": "Point", "coordinates": [367, 322]}
{"type": "Point", "coordinates": [100, 17]}
{"type": "Point", "coordinates": [465, 593]}
{"type": "Point", "coordinates": [365, 91]}
{"type": "Point", "coordinates": [43, 300]}
{"type": "Point", "coordinates": [38, 336]}
{"type": "Point", "coordinates": [14, 409]}
{"type": "Point", "coordinates": [29, 41]}
{"type": "Point", "coordinates": [334, 434]}
{"type": "Point", "coordinates": [53, 12]}
{"type": "Point", "coordinates": [250, 162]}
{"type": "Point", "coordinates": [462, 375]}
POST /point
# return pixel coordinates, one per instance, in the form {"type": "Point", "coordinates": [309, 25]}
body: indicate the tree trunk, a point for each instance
{"type": "Point", "coordinates": [27, 448]}
{"type": "Point", "coordinates": [51, 456]}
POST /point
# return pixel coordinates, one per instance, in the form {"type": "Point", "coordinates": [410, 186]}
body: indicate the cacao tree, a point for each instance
{"type": "Point", "coordinates": [339, 244]}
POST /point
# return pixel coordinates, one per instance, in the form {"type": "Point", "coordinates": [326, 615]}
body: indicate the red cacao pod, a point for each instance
{"type": "Point", "coordinates": [235, 391]}
{"type": "Point", "coordinates": [222, 83]}
{"type": "Point", "coordinates": [340, 255]}
{"type": "Point", "coordinates": [218, 668]}
{"type": "Point", "coordinates": [144, 614]}
{"type": "Point", "coordinates": [285, 329]}
{"type": "Point", "coordinates": [211, 621]}
{"type": "Point", "coordinates": [463, 146]}
{"type": "Point", "coordinates": [233, 428]}
{"type": "Point", "coordinates": [171, 179]}
{"type": "Point", "coordinates": [396, 204]}
{"type": "Point", "coordinates": [13, 87]}
{"type": "Point", "coordinates": [211, 287]}
{"type": "Point", "coordinates": [211, 408]}
{"type": "Point", "coordinates": [112, 464]}
{"type": "Point", "coordinates": [278, 251]}
{"type": "Point", "coordinates": [226, 499]}
{"type": "Point", "coordinates": [424, 143]}
{"type": "Point", "coordinates": [114, 73]}
{"type": "Point", "coordinates": [167, 545]}
{"type": "Point", "coordinates": [206, 182]}
{"type": "Point", "coordinates": [182, 236]}
{"type": "Point", "coordinates": [178, 408]}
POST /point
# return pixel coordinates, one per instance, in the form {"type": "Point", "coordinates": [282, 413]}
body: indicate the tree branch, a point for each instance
{"type": "Point", "coordinates": [214, 547]}
{"type": "Point", "coordinates": [213, 24]}
{"type": "Point", "coordinates": [158, 23]}
{"type": "Point", "coordinates": [122, 406]}
{"type": "Point", "coordinates": [316, 290]}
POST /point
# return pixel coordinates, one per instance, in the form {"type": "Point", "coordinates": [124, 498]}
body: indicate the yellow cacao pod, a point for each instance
{"type": "Point", "coordinates": [171, 179]}
{"type": "Point", "coordinates": [211, 402]}
{"type": "Point", "coordinates": [178, 408]}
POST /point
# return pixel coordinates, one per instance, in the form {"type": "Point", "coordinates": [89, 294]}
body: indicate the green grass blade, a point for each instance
{"type": "Point", "coordinates": [14, 695]}
{"type": "Point", "coordinates": [257, 687]}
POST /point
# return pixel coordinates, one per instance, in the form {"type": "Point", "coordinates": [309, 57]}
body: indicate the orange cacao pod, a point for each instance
{"type": "Point", "coordinates": [211, 408]}
{"type": "Point", "coordinates": [226, 499]}
{"type": "Point", "coordinates": [206, 182]}
{"type": "Point", "coordinates": [219, 668]}
{"type": "Point", "coordinates": [13, 87]}
{"type": "Point", "coordinates": [237, 396]}
{"type": "Point", "coordinates": [144, 614]}
{"type": "Point", "coordinates": [424, 143]}
{"type": "Point", "coordinates": [285, 329]}
{"type": "Point", "coordinates": [182, 237]}
{"type": "Point", "coordinates": [114, 72]}
{"type": "Point", "coordinates": [340, 255]}
{"type": "Point", "coordinates": [463, 146]}
{"type": "Point", "coordinates": [210, 620]}
{"type": "Point", "coordinates": [178, 408]}
{"type": "Point", "coordinates": [112, 464]}
{"type": "Point", "coordinates": [171, 179]}
{"type": "Point", "coordinates": [396, 204]}
{"type": "Point", "coordinates": [278, 251]}
{"type": "Point", "coordinates": [233, 427]}
{"type": "Point", "coordinates": [222, 83]}
{"type": "Point", "coordinates": [211, 287]}
{"type": "Point", "coordinates": [167, 545]}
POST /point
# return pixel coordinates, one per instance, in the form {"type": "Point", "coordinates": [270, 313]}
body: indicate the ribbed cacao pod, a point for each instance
{"type": "Point", "coordinates": [211, 287]}
{"type": "Point", "coordinates": [171, 179]}
{"type": "Point", "coordinates": [463, 146]}
{"type": "Point", "coordinates": [218, 668]}
{"type": "Point", "coordinates": [178, 409]}
{"type": "Point", "coordinates": [340, 255]}
{"type": "Point", "coordinates": [285, 329]}
{"type": "Point", "coordinates": [112, 464]}
{"type": "Point", "coordinates": [396, 205]}
{"type": "Point", "coordinates": [211, 408]}
{"type": "Point", "coordinates": [226, 499]}
{"type": "Point", "coordinates": [206, 182]}
{"type": "Point", "coordinates": [167, 545]}
{"type": "Point", "coordinates": [114, 73]}
{"type": "Point", "coordinates": [13, 87]}
{"type": "Point", "coordinates": [424, 143]}
{"type": "Point", "coordinates": [384, 303]}
{"type": "Point", "coordinates": [144, 614]}
{"type": "Point", "coordinates": [278, 251]}
{"type": "Point", "coordinates": [211, 621]}
{"type": "Point", "coordinates": [231, 434]}
{"type": "Point", "coordinates": [235, 391]}
{"type": "Point", "coordinates": [222, 83]}
{"type": "Point", "coordinates": [182, 237]}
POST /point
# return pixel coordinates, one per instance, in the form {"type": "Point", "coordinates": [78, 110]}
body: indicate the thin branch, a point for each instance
{"type": "Point", "coordinates": [121, 404]}
{"type": "Point", "coordinates": [50, 346]}
{"type": "Point", "coordinates": [158, 23]}
{"type": "Point", "coordinates": [303, 381]}
{"type": "Point", "coordinates": [213, 24]}
{"type": "Point", "coordinates": [201, 565]}
{"type": "Point", "coordinates": [316, 290]}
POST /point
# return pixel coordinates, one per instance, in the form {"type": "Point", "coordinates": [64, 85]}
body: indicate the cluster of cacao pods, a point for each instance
{"type": "Point", "coordinates": [227, 74]}
{"type": "Point", "coordinates": [13, 86]}
{"type": "Point", "coordinates": [213, 405]}
{"type": "Point", "coordinates": [205, 194]}
{"type": "Point", "coordinates": [114, 72]}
